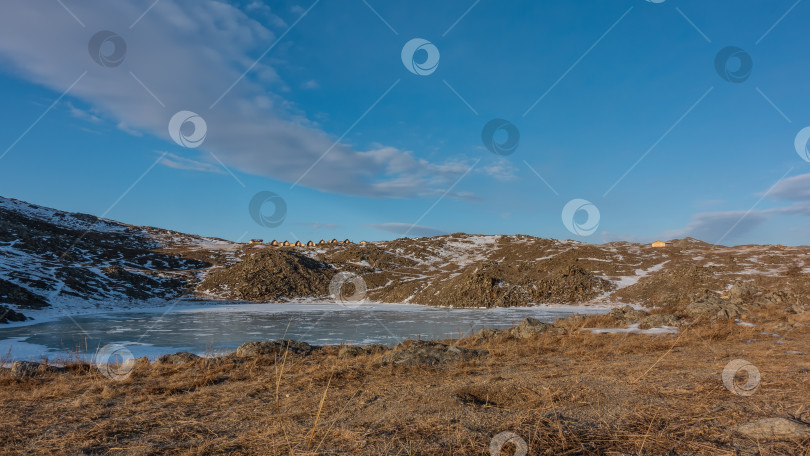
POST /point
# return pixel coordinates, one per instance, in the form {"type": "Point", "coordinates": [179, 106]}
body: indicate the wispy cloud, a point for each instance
{"type": "Point", "coordinates": [713, 226]}
{"type": "Point", "coordinates": [182, 56]}
{"type": "Point", "coordinates": [82, 113]}
{"type": "Point", "coordinates": [177, 162]}
{"type": "Point", "coordinates": [501, 169]}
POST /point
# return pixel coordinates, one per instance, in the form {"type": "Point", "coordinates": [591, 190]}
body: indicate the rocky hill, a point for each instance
{"type": "Point", "coordinates": [51, 257]}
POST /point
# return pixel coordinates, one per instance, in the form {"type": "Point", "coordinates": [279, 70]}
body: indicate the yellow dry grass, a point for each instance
{"type": "Point", "coordinates": [578, 393]}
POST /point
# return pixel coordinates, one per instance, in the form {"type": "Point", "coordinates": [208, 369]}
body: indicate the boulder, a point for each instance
{"type": "Point", "coordinates": [27, 369]}
{"type": "Point", "coordinates": [627, 315]}
{"type": "Point", "coordinates": [774, 429]}
{"type": "Point", "coordinates": [178, 358]}
{"type": "Point", "coordinates": [418, 352]}
{"type": "Point", "coordinates": [274, 347]}
{"type": "Point", "coordinates": [741, 292]}
{"type": "Point", "coordinates": [8, 315]}
{"type": "Point", "coordinates": [714, 307]}
{"type": "Point", "coordinates": [530, 327]}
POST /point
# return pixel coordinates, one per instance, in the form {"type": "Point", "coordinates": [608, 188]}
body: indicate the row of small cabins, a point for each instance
{"type": "Point", "coordinates": [322, 243]}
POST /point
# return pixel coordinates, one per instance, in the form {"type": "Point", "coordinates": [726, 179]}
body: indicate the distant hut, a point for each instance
{"type": "Point", "coordinates": [333, 241]}
{"type": "Point", "coordinates": [299, 244]}
{"type": "Point", "coordinates": [286, 243]}
{"type": "Point", "coordinates": [347, 241]}
{"type": "Point", "coordinates": [659, 244]}
{"type": "Point", "coordinates": [310, 244]}
{"type": "Point", "coordinates": [322, 242]}
{"type": "Point", "coordinates": [362, 242]}
{"type": "Point", "coordinates": [274, 243]}
{"type": "Point", "coordinates": [256, 242]}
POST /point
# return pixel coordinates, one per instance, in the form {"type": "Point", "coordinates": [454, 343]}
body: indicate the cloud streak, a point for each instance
{"type": "Point", "coordinates": [715, 226]}
{"type": "Point", "coordinates": [182, 56]}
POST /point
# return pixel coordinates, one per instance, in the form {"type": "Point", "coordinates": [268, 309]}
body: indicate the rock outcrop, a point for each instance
{"type": "Point", "coordinates": [178, 358]}
{"type": "Point", "coordinates": [419, 352]}
{"type": "Point", "coordinates": [774, 429]}
{"type": "Point", "coordinates": [273, 348]}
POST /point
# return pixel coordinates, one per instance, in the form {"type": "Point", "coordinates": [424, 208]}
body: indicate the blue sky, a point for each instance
{"type": "Point", "coordinates": [618, 103]}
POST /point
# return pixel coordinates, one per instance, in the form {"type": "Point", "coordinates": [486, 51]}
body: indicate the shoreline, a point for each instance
{"type": "Point", "coordinates": [21, 344]}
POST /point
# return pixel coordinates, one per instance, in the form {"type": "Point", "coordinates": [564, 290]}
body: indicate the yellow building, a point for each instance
{"type": "Point", "coordinates": [659, 244]}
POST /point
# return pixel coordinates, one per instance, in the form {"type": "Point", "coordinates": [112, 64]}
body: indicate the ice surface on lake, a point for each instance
{"type": "Point", "coordinates": [218, 329]}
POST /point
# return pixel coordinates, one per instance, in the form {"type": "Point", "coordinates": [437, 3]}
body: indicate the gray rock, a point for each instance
{"type": "Point", "coordinates": [417, 352]}
{"type": "Point", "coordinates": [774, 429]}
{"type": "Point", "coordinates": [8, 315]}
{"type": "Point", "coordinates": [627, 314]}
{"type": "Point", "coordinates": [27, 369]}
{"type": "Point", "coordinates": [178, 358]}
{"type": "Point", "coordinates": [741, 291]}
{"type": "Point", "coordinates": [274, 347]}
{"type": "Point", "coordinates": [711, 306]}
{"type": "Point", "coordinates": [530, 327]}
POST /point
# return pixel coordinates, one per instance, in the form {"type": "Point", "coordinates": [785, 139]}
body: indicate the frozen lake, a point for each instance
{"type": "Point", "coordinates": [214, 329]}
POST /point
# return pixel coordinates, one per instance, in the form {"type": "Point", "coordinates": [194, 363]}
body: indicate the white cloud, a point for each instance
{"type": "Point", "coordinates": [82, 114]}
{"type": "Point", "coordinates": [187, 53]}
{"type": "Point", "coordinates": [725, 225]}
{"type": "Point", "coordinates": [501, 169]}
{"type": "Point", "coordinates": [796, 188]}
{"type": "Point", "coordinates": [717, 227]}
{"type": "Point", "coordinates": [177, 162]}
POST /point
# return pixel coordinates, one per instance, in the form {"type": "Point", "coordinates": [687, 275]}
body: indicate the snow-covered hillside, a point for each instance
{"type": "Point", "coordinates": [54, 259]}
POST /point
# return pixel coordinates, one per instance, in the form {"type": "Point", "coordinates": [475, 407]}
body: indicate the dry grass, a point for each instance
{"type": "Point", "coordinates": [572, 394]}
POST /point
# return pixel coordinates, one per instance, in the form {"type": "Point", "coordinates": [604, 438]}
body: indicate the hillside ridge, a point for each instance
{"type": "Point", "coordinates": [83, 263]}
